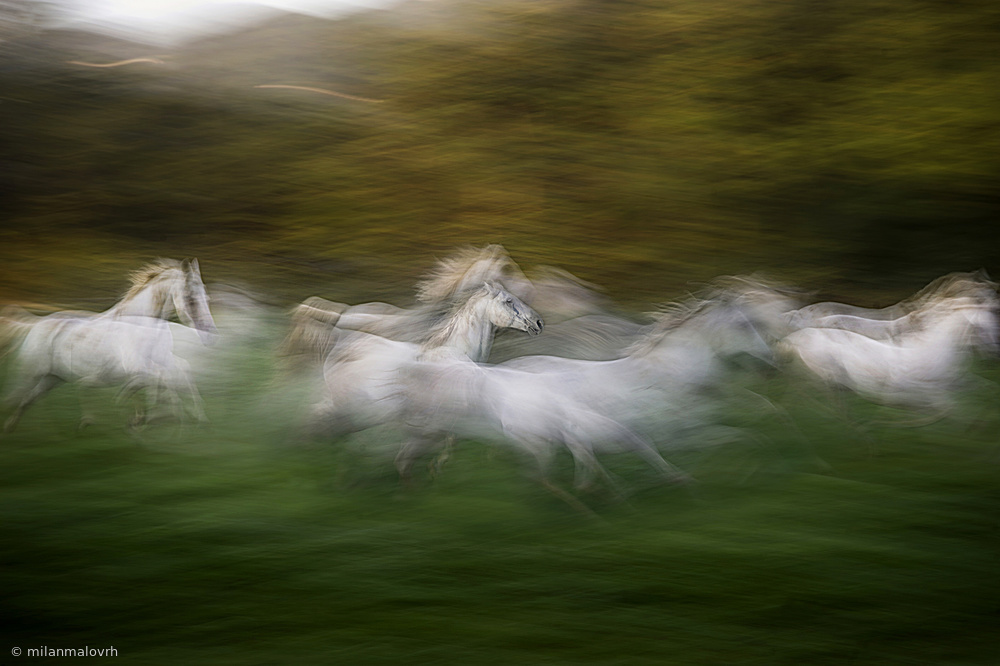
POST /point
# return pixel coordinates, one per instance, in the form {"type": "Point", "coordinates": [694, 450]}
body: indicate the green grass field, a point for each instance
{"type": "Point", "coordinates": [228, 545]}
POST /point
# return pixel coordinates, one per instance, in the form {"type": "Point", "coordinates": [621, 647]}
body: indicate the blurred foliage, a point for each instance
{"type": "Point", "coordinates": [642, 144]}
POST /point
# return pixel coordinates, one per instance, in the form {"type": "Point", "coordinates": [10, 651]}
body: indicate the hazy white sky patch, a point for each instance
{"type": "Point", "coordinates": [169, 21]}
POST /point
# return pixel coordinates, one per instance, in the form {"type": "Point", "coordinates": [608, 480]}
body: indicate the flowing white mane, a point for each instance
{"type": "Point", "coordinates": [467, 268]}
{"type": "Point", "coordinates": [953, 285]}
{"type": "Point", "coordinates": [142, 277]}
{"type": "Point", "coordinates": [666, 318]}
{"type": "Point", "coordinates": [458, 314]}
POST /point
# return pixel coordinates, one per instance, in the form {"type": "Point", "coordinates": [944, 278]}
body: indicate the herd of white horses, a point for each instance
{"type": "Point", "coordinates": [572, 375]}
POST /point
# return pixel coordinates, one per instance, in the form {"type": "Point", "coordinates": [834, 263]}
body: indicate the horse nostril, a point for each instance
{"type": "Point", "coordinates": [539, 322]}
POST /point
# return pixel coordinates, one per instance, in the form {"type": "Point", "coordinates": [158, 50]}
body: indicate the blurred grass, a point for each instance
{"type": "Point", "coordinates": [231, 545]}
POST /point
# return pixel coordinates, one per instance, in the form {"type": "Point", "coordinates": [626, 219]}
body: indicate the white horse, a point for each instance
{"type": "Point", "coordinates": [315, 322]}
{"type": "Point", "coordinates": [361, 374]}
{"type": "Point", "coordinates": [540, 403]}
{"type": "Point", "coordinates": [919, 369]}
{"type": "Point", "coordinates": [129, 345]}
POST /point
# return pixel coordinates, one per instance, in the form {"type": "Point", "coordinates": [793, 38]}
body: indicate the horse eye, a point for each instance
{"type": "Point", "coordinates": [510, 301]}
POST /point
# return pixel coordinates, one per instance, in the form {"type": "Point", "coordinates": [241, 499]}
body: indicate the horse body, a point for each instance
{"type": "Point", "coordinates": [877, 329]}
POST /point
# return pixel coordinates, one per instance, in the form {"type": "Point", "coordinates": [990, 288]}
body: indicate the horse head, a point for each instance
{"type": "Point", "coordinates": [505, 310]}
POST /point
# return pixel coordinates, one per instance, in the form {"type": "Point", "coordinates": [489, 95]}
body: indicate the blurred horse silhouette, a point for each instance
{"type": "Point", "coordinates": [538, 404]}
{"type": "Point", "coordinates": [919, 367]}
{"type": "Point", "coordinates": [361, 373]}
{"type": "Point", "coordinates": [128, 346]}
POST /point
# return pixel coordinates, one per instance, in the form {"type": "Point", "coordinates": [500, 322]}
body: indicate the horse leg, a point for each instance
{"type": "Point", "coordinates": [411, 450]}
{"type": "Point", "coordinates": [42, 386]}
{"type": "Point", "coordinates": [87, 410]}
{"type": "Point", "coordinates": [543, 453]}
{"type": "Point", "coordinates": [185, 384]}
{"type": "Point", "coordinates": [633, 443]}
{"type": "Point", "coordinates": [129, 393]}
{"type": "Point", "coordinates": [436, 466]}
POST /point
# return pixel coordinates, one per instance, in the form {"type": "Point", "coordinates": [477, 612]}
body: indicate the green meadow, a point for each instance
{"type": "Point", "coordinates": [238, 543]}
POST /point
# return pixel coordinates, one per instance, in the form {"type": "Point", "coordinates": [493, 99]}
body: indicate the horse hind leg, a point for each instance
{"type": "Point", "coordinates": [42, 386]}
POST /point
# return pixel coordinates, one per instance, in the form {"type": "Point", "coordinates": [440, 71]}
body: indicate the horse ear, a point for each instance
{"type": "Point", "coordinates": [491, 288]}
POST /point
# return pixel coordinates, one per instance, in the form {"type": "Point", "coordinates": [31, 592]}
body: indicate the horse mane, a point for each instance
{"type": "Point", "coordinates": [311, 331]}
{"type": "Point", "coordinates": [555, 274]}
{"type": "Point", "coordinates": [952, 285]}
{"type": "Point", "coordinates": [728, 286]}
{"type": "Point", "coordinates": [440, 331]}
{"type": "Point", "coordinates": [443, 282]}
{"type": "Point", "coordinates": [666, 318]}
{"type": "Point", "coordinates": [721, 291]}
{"type": "Point", "coordinates": [142, 277]}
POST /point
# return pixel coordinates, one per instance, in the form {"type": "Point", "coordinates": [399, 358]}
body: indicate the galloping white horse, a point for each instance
{"type": "Point", "coordinates": [361, 373]}
{"type": "Point", "coordinates": [129, 345]}
{"type": "Point", "coordinates": [539, 403]}
{"type": "Point", "coordinates": [312, 331]}
{"type": "Point", "coordinates": [918, 369]}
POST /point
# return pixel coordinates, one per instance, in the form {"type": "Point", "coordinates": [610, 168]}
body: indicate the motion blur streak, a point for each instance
{"type": "Point", "coordinates": [130, 61]}
{"type": "Point", "coordinates": [325, 92]}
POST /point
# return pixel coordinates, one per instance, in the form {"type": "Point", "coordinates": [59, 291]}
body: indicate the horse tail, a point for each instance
{"type": "Point", "coordinates": [312, 331]}
{"type": "Point", "coordinates": [15, 322]}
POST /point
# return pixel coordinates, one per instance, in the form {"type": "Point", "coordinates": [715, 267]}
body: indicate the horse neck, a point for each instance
{"type": "Point", "coordinates": [154, 300]}
{"type": "Point", "coordinates": [946, 334]}
{"type": "Point", "coordinates": [469, 331]}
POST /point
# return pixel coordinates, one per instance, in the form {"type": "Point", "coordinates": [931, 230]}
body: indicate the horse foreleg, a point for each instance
{"type": "Point", "coordinates": [436, 466]}
{"type": "Point", "coordinates": [87, 409]}
{"type": "Point", "coordinates": [185, 384]}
